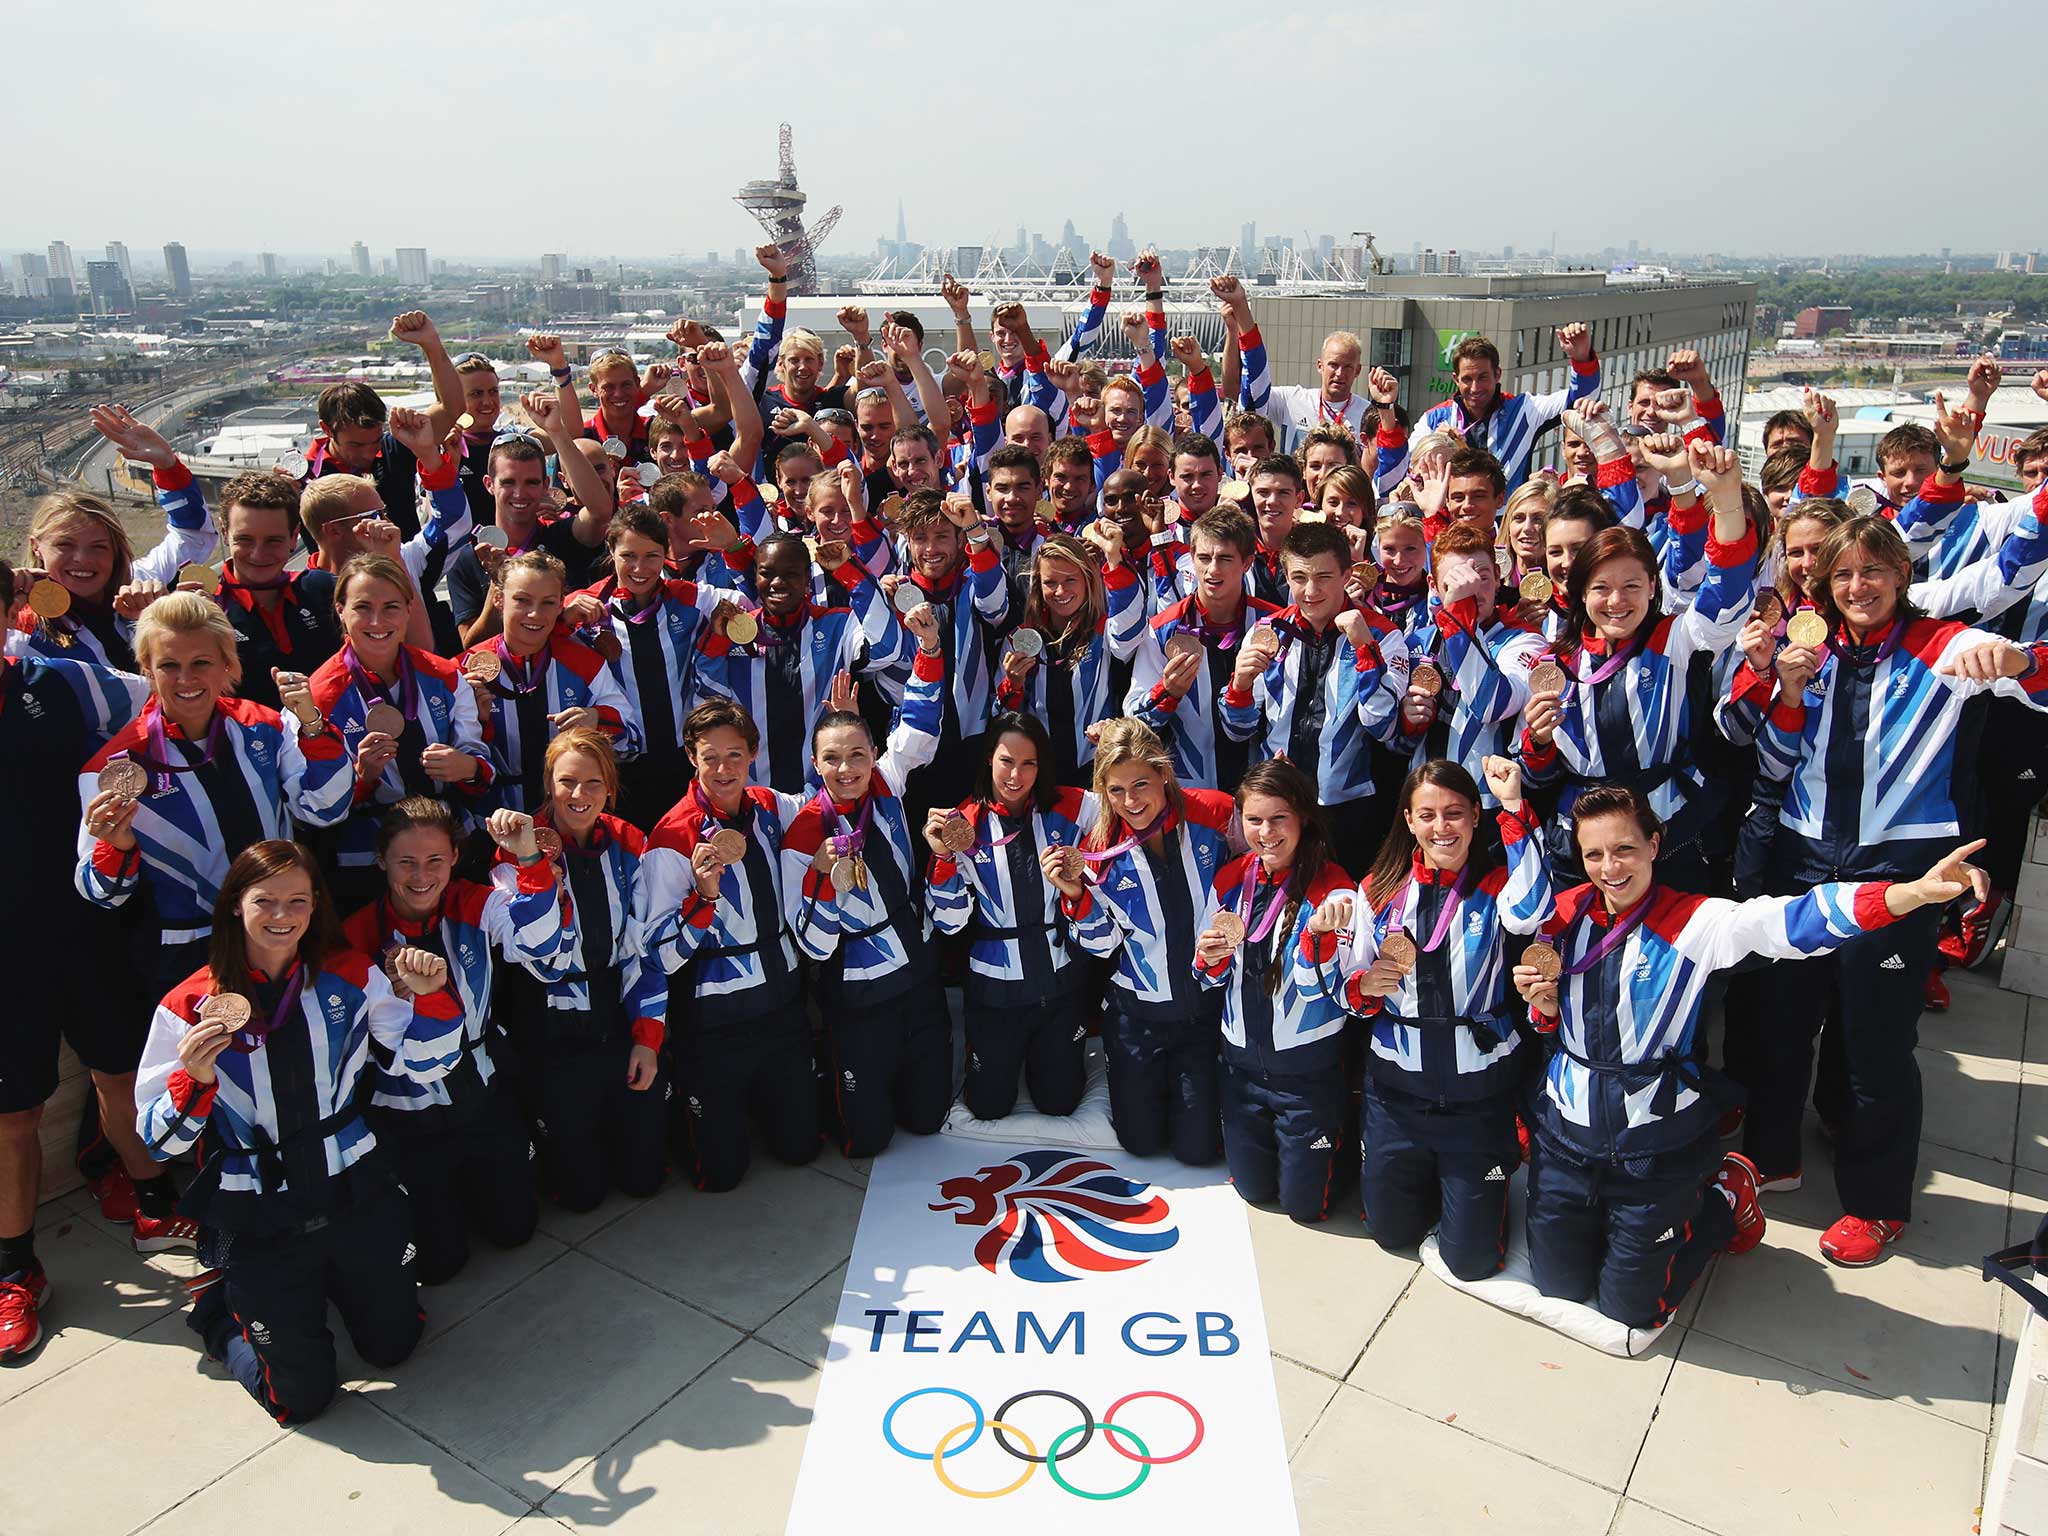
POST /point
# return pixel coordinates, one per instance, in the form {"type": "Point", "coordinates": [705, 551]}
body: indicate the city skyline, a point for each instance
{"type": "Point", "coordinates": [1466, 88]}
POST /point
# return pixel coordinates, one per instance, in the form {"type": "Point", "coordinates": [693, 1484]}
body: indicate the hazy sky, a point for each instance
{"type": "Point", "coordinates": [506, 131]}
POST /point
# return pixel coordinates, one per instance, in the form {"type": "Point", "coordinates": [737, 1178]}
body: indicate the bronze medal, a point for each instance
{"type": "Point", "coordinates": [830, 555]}
{"type": "Point", "coordinates": [742, 628]}
{"type": "Point", "coordinates": [482, 666]}
{"type": "Point", "coordinates": [1399, 950]}
{"type": "Point", "coordinates": [1183, 643]}
{"type": "Point", "coordinates": [1536, 588]}
{"type": "Point", "coordinates": [230, 1010]}
{"type": "Point", "coordinates": [1770, 608]}
{"type": "Point", "coordinates": [1425, 678]}
{"type": "Point", "coordinates": [1544, 960]}
{"type": "Point", "coordinates": [844, 875]}
{"type": "Point", "coordinates": [606, 644]}
{"type": "Point", "coordinates": [1547, 677]}
{"type": "Point", "coordinates": [1073, 864]}
{"type": "Point", "coordinates": [730, 844]}
{"type": "Point", "coordinates": [549, 842]}
{"type": "Point", "coordinates": [49, 599]}
{"type": "Point", "coordinates": [387, 719]}
{"type": "Point", "coordinates": [890, 509]}
{"type": "Point", "coordinates": [124, 777]}
{"type": "Point", "coordinates": [1229, 926]}
{"type": "Point", "coordinates": [957, 834]}
{"type": "Point", "coordinates": [1807, 628]}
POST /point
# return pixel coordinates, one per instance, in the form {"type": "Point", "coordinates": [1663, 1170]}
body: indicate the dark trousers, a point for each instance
{"type": "Point", "coordinates": [892, 1064]}
{"type": "Point", "coordinates": [277, 1290]}
{"type": "Point", "coordinates": [1046, 1042]}
{"type": "Point", "coordinates": [2012, 772]}
{"type": "Point", "coordinates": [1424, 1164]}
{"type": "Point", "coordinates": [594, 1131]}
{"type": "Point", "coordinates": [1162, 1084]}
{"type": "Point", "coordinates": [755, 1066]}
{"type": "Point", "coordinates": [1631, 1238]}
{"type": "Point", "coordinates": [1869, 1080]}
{"type": "Point", "coordinates": [1280, 1136]}
{"type": "Point", "coordinates": [457, 1172]}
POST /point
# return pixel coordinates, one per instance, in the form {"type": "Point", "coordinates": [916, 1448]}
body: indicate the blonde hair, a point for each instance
{"type": "Point", "coordinates": [1538, 489]}
{"type": "Point", "coordinates": [1440, 440]}
{"type": "Point", "coordinates": [1149, 436]}
{"type": "Point", "coordinates": [593, 744]}
{"type": "Point", "coordinates": [1347, 340]}
{"type": "Point", "coordinates": [327, 499]}
{"type": "Point", "coordinates": [803, 339]}
{"type": "Point", "coordinates": [1120, 741]}
{"type": "Point", "coordinates": [607, 360]}
{"type": "Point", "coordinates": [1094, 607]}
{"type": "Point", "coordinates": [63, 507]}
{"type": "Point", "coordinates": [186, 613]}
{"type": "Point", "coordinates": [372, 568]}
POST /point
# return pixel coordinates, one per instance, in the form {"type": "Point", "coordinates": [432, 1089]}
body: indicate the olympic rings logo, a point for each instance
{"type": "Point", "coordinates": [999, 1428]}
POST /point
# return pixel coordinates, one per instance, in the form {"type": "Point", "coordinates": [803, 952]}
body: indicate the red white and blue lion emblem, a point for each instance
{"type": "Point", "coordinates": [1059, 1216]}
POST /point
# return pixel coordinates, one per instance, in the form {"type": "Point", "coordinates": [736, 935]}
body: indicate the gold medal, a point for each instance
{"type": "Point", "coordinates": [1234, 490]}
{"type": "Point", "coordinates": [1807, 628]}
{"type": "Point", "coordinates": [49, 599]}
{"type": "Point", "coordinates": [1366, 574]}
{"type": "Point", "coordinates": [988, 363]}
{"type": "Point", "coordinates": [1046, 513]}
{"type": "Point", "coordinates": [742, 628]}
{"type": "Point", "coordinates": [1536, 588]}
{"type": "Point", "coordinates": [204, 576]}
{"type": "Point", "coordinates": [830, 555]}
{"type": "Point", "coordinates": [1544, 960]}
{"type": "Point", "coordinates": [770, 492]}
{"type": "Point", "coordinates": [466, 421]}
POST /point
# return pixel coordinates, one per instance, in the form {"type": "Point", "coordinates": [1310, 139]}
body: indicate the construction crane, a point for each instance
{"type": "Point", "coordinates": [779, 205]}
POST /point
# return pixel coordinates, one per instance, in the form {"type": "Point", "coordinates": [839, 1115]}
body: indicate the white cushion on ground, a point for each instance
{"type": "Point", "coordinates": [1513, 1290]}
{"type": "Point", "coordinates": [1087, 1126]}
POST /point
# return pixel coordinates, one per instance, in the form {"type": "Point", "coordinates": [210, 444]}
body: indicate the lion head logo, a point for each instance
{"type": "Point", "coordinates": [1050, 1216]}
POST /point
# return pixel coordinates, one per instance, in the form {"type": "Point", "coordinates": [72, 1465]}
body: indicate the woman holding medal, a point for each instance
{"type": "Point", "coordinates": [1134, 890]}
{"type": "Point", "coordinates": [94, 585]}
{"type": "Point", "coordinates": [407, 712]}
{"type": "Point", "coordinates": [1068, 663]}
{"type": "Point", "coordinates": [1423, 960]}
{"type": "Point", "coordinates": [589, 1038]}
{"type": "Point", "coordinates": [1872, 703]}
{"type": "Point", "coordinates": [1629, 1193]}
{"type": "Point", "coordinates": [260, 1052]}
{"type": "Point", "coordinates": [459, 1144]}
{"type": "Point", "coordinates": [1027, 993]}
{"type": "Point", "coordinates": [1611, 705]}
{"type": "Point", "coordinates": [536, 682]}
{"type": "Point", "coordinates": [853, 890]}
{"type": "Point", "coordinates": [1282, 1089]}
{"type": "Point", "coordinates": [713, 870]}
{"type": "Point", "coordinates": [197, 774]}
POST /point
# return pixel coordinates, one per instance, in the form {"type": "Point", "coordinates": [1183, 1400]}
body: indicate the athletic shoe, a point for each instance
{"type": "Point", "coordinates": [1934, 996]}
{"type": "Point", "coordinates": [1782, 1183]}
{"type": "Point", "coordinates": [1729, 1126]}
{"type": "Point", "coordinates": [1981, 925]}
{"type": "Point", "coordinates": [21, 1294]}
{"type": "Point", "coordinates": [1853, 1242]}
{"type": "Point", "coordinates": [115, 1191]}
{"type": "Point", "coordinates": [1737, 1180]}
{"type": "Point", "coordinates": [153, 1234]}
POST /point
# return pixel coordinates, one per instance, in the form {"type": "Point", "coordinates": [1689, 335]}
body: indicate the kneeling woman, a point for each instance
{"type": "Point", "coordinates": [853, 882]}
{"type": "Point", "coordinates": [1027, 986]}
{"type": "Point", "coordinates": [1283, 1034]}
{"type": "Point", "coordinates": [1629, 1195]}
{"type": "Point", "coordinates": [1426, 970]}
{"type": "Point", "coordinates": [1155, 849]}
{"type": "Point", "coordinates": [261, 1052]}
{"type": "Point", "coordinates": [459, 1142]}
{"type": "Point", "coordinates": [589, 1040]}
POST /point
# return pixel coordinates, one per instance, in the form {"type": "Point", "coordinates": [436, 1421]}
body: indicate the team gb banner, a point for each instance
{"type": "Point", "coordinates": [1038, 1339]}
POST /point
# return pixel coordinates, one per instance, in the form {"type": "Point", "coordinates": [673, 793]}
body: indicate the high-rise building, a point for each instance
{"type": "Point", "coordinates": [551, 267]}
{"type": "Point", "coordinates": [359, 258]}
{"type": "Point", "coordinates": [33, 281]}
{"type": "Point", "coordinates": [1072, 243]}
{"type": "Point", "coordinates": [1634, 248]}
{"type": "Point", "coordinates": [110, 292]}
{"type": "Point", "coordinates": [178, 270]}
{"type": "Point", "coordinates": [63, 276]}
{"type": "Point", "coordinates": [332, 268]}
{"type": "Point", "coordinates": [902, 231]}
{"type": "Point", "coordinates": [266, 266]}
{"type": "Point", "coordinates": [1121, 247]}
{"type": "Point", "coordinates": [412, 265]}
{"type": "Point", "coordinates": [1507, 253]}
{"type": "Point", "coordinates": [117, 253]}
{"type": "Point", "coordinates": [1248, 244]}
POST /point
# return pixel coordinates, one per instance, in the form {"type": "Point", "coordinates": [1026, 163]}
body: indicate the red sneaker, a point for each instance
{"type": "Point", "coordinates": [153, 1234]}
{"type": "Point", "coordinates": [1853, 1242]}
{"type": "Point", "coordinates": [1737, 1181]}
{"type": "Point", "coordinates": [1934, 996]}
{"type": "Point", "coordinates": [1729, 1126]}
{"type": "Point", "coordinates": [115, 1191]}
{"type": "Point", "coordinates": [1782, 1183]}
{"type": "Point", "coordinates": [21, 1294]}
{"type": "Point", "coordinates": [1978, 933]}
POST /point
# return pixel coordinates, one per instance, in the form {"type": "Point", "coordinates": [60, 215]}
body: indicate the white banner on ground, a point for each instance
{"type": "Point", "coordinates": [1103, 1309]}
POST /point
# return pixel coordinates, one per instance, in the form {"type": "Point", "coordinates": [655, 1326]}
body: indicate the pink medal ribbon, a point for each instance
{"type": "Point", "coordinates": [407, 688]}
{"type": "Point", "coordinates": [518, 678]}
{"type": "Point", "coordinates": [1004, 842]}
{"type": "Point", "coordinates": [251, 1036]}
{"type": "Point", "coordinates": [1245, 902]}
{"type": "Point", "coordinates": [845, 844]}
{"type": "Point", "coordinates": [1885, 647]}
{"type": "Point", "coordinates": [1607, 669]}
{"type": "Point", "coordinates": [160, 761]}
{"type": "Point", "coordinates": [1136, 837]}
{"type": "Point", "coordinates": [1619, 932]}
{"type": "Point", "coordinates": [1451, 903]}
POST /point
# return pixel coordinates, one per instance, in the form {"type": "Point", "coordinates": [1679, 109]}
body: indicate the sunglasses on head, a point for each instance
{"type": "Point", "coordinates": [471, 357]}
